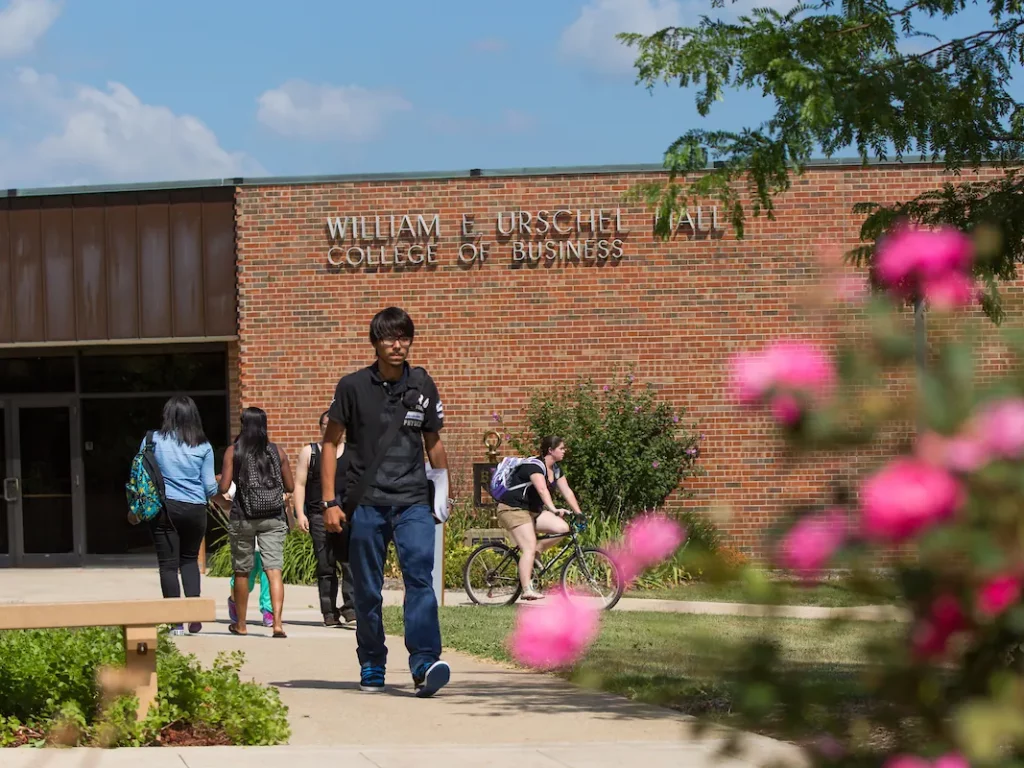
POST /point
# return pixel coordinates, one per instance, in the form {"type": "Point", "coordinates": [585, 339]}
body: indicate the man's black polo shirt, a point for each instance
{"type": "Point", "coordinates": [365, 405]}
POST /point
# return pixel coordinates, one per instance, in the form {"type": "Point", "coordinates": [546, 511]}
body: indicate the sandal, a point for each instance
{"type": "Point", "coordinates": [233, 629]}
{"type": "Point", "coordinates": [280, 634]}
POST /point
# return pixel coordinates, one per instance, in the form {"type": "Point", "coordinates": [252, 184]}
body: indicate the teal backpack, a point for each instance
{"type": "Point", "coordinates": [145, 486]}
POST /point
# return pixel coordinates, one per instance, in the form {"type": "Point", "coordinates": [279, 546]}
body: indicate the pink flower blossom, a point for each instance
{"type": "Point", "coordinates": [932, 634]}
{"type": "Point", "coordinates": [1000, 424]}
{"type": "Point", "coordinates": [812, 541]}
{"type": "Point", "coordinates": [906, 497]}
{"type": "Point", "coordinates": [963, 453]}
{"type": "Point", "coordinates": [555, 633]}
{"type": "Point", "coordinates": [950, 291]}
{"type": "Point", "coordinates": [646, 541]}
{"type": "Point", "coordinates": [952, 760]}
{"type": "Point", "coordinates": [999, 593]}
{"type": "Point", "coordinates": [911, 253]}
{"type": "Point", "coordinates": [906, 761]}
{"type": "Point", "coordinates": [787, 373]}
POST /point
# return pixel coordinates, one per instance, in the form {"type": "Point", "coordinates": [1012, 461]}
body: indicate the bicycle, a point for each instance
{"type": "Point", "coordinates": [498, 584]}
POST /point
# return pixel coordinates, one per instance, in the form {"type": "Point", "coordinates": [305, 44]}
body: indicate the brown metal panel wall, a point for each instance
{"type": "Point", "coordinates": [122, 268]}
{"type": "Point", "coordinates": [155, 267]}
{"type": "Point", "coordinates": [6, 299]}
{"type": "Point", "coordinates": [219, 268]}
{"type": "Point", "coordinates": [56, 224]}
{"type": "Point", "coordinates": [187, 264]}
{"type": "Point", "coordinates": [27, 272]}
{"type": "Point", "coordinates": [90, 271]}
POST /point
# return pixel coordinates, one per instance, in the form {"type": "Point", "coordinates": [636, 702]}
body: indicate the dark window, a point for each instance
{"type": "Point", "coordinates": [179, 372]}
{"type": "Point", "coordinates": [37, 374]}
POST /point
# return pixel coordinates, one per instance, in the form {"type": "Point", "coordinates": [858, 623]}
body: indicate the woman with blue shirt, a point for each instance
{"type": "Point", "coordinates": [185, 458]}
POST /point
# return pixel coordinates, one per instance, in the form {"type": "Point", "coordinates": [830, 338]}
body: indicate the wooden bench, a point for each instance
{"type": "Point", "coordinates": [138, 620]}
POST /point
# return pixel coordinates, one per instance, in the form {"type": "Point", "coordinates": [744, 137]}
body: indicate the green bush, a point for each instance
{"type": "Point", "coordinates": [49, 684]}
{"type": "Point", "coordinates": [626, 451]}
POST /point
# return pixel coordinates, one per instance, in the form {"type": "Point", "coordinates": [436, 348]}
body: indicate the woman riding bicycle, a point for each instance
{"type": "Point", "coordinates": [528, 508]}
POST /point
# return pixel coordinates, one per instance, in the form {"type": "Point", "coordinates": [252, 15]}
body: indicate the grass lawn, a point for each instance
{"type": "Point", "coordinates": [831, 594]}
{"type": "Point", "coordinates": [664, 659]}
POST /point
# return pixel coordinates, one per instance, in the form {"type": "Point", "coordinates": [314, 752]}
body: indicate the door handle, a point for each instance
{"type": "Point", "coordinates": [11, 489]}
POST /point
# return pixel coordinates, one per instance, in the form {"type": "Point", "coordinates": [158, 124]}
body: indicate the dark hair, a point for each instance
{"type": "Point", "coordinates": [323, 416]}
{"type": "Point", "coordinates": [548, 443]}
{"type": "Point", "coordinates": [391, 323]}
{"type": "Point", "coordinates": [182, 421]}
{"type": "Point", "coordinates": [252, 439]}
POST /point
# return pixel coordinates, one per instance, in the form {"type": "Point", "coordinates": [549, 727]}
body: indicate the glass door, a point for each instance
{"type": "Point", "coordinates": [42, 488]}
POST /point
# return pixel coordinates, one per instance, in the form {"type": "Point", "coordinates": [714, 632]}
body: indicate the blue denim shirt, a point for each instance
{"type": "Point", "coordinates": [188, 472]}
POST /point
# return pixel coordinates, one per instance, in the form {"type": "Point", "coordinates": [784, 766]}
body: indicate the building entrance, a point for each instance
{"type": "Point", "coordinates": [65, 455]}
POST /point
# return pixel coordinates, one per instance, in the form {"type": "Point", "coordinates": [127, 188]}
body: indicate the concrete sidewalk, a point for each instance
{"type": "Point", "coordinates": [489, 715]}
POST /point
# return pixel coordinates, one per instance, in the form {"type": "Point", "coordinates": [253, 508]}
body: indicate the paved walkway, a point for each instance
{"type": "Point", "coordinates": [490, 714]}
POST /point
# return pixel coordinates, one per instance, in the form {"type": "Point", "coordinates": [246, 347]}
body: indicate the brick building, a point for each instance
{"type": "Point", "coordinates": [515, 279]}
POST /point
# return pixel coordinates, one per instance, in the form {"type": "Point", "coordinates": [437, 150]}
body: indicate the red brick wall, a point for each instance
{"type": "Point", "coordinates": [674, 311]}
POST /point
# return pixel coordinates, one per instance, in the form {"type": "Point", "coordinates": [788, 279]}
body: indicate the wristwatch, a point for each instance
{"type": "Point", "coordinates": [325, 505]}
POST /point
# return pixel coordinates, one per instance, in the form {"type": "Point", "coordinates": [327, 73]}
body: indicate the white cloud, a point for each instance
{"type": "Point", "coordinates": [299, 109]}
{"type": "Point", "coordinates": [23, 22]}
{"type": "Point", "coordinates": [590, 39]}
{"type": "Point", "coordinates": [106, 136]}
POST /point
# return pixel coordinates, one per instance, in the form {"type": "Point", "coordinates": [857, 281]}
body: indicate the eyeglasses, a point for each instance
{"type": "Point", "coordinates": [403, 340]}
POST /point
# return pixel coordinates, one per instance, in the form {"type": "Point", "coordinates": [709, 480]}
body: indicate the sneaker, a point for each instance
{"type": "Point", "coordinates": [431, 678]}
{"type": "Point", "coordinates": [268, 618]}
{"type": "Point", "coordinates": [348, 615]}
{"type": "Point", "coordinates": [195, 628]}
{"type": "Point", "coordinates": [177, 629]}
{"type": "Point", "coordinates": [371, 679]}
{"type": "Point", "coordinates": [331, 620]}
{"type": "Point", "coordinates": [531, 593]}
{"type": "Point", "coordinates": [232, 611]}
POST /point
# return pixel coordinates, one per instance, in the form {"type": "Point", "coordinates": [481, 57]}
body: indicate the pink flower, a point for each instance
{"type": "Point", "coordinates": [646, 541]}
{"type": "Point", "coordinates": [964, 453]}
{"type": "Point", "coordinates": [809, 544]}
{"type": "Point", "coordinates": [931, 635]}
{"type": "Point", "coordinates": [906, 761]}
{"type": "Point", "coordinates": [556, 632]}
{"type": "Point", "coordinates": [998, 593]}
{"type": "Point", "coordinates": [1000, 425]}
{"type": "Point", "coordinates": [917, 255]}
{"type": "Point", "coordinates": [906, 497]}
{"type": "Point", "coordinates": [950, 291]}
{"type": "Point", "coordinates": [787, 372]}
{"type": "Point", "coordinates": [952, 760]}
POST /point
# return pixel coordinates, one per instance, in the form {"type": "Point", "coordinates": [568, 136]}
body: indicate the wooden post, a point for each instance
{"type": "Point", "coordinates": [140, 664]}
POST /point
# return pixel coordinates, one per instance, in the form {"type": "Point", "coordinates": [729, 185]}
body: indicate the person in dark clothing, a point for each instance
{"type": "Point", "coordinates": [185, 459]}
{"type": "Point", "coordinates": [331, 548]}
{"type": "Point", "coordinates": [388, 497]}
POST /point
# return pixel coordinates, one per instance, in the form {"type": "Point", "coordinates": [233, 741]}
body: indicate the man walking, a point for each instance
{"type": "Point", "coordinates": [386, 413]}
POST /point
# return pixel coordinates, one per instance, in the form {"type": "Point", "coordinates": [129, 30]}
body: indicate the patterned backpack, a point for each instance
{"type": "Point", "coordinates": [502, 477]}
{"type": "Point", "coordinates": [266, 498]}
{"type": "Point", "coordinates": [145, 486]}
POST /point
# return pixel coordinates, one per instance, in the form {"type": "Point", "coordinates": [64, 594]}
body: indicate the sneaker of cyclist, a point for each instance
{"type": "Point", "coordinates": [528, 509]}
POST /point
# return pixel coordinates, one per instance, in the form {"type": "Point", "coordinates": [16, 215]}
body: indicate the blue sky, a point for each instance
{"type": "Point", "coordinates": [106, 91]}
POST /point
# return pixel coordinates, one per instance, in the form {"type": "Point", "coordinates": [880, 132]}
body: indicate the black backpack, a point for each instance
{"type": "Point", "coordinates": [266, 498]}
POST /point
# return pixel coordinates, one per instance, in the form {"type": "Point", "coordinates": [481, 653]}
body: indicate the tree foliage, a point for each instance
{"type": "Point", "coordinates": [852, 74]}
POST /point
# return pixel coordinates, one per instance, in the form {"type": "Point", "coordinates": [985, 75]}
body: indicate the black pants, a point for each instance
{"type": "Point", "coordinates": [331, 551]}
{"type": "Point", "coordinates": [177, 534]}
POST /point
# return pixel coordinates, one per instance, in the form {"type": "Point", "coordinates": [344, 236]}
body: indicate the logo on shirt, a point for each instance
{"type": "Point", "coordinates": [414, 419]}
{"type": "Point", "coordinates": [439, 408]}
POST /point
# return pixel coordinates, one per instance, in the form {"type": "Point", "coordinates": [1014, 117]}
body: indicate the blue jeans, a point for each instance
{"type": "Point", "coordinates": [412, 530]}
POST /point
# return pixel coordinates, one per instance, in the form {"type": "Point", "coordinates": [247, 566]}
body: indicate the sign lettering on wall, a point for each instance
{"type": "Point", "coordinates": [528, 237]}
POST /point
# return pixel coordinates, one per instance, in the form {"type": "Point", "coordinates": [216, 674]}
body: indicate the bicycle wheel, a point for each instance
{"type": "Point", "coordinates": [491, 575]}
{"type": "Point", "coordinates": [592, 573]}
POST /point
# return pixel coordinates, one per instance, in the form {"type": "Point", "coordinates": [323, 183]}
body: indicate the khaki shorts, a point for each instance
{"type": "Point", "coordinates": [513, 517]}
{"type": "Point", "coordinates": [243, 534]}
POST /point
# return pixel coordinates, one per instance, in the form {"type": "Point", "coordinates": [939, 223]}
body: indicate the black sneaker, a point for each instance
{"type": "Point", "coordinates": [348, 616]}
{"type": "Point", "coordinates": [331, 620]}
{"type": "Point", "coordinates": [430, 678]}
